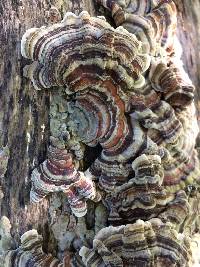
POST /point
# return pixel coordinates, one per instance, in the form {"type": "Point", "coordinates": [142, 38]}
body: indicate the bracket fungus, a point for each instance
{"type": "Point", "coordinates": [123, 89]}
{"type": "Point", "coordinates": [30, 254]}
{"type": "Point", "coordinates": [150, 243]}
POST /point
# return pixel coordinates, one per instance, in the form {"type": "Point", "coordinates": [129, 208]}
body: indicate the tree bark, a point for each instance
{"type": "Point", "coordinates": [188, 33]}
{"type": "Point", "coordinates": [24, 112]}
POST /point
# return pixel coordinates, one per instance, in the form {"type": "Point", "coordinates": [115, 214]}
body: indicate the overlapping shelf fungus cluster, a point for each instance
{"type": "Point", "coordinates": [121, 96]}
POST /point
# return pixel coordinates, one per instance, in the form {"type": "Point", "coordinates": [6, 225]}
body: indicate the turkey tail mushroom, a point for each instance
{"type": "Point", "coordinates": [58, 174]}
{"type": "Point", "coordinates": [150, 243]}
{"type": "Point", "coordinates": [30, 253]}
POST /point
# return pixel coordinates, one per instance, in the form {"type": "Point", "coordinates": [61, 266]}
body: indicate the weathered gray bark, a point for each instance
{"type": "Point", "coordinates": [24, 111]}
{"type": "Point", "coordinates": [189, 32]}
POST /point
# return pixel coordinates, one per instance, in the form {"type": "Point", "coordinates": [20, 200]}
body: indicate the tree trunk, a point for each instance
{"type": "Point", "coordinates": [24, 121]}
{"type": "Point", "coordinates": [188, 30]}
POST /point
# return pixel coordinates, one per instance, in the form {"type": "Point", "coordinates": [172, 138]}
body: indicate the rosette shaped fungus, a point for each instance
{"type": "Point", "coordinates": [98, 65]}
{"type": "Point", "coordinates": [182, 165]}
{"type": "Point", "coordinates": [135, 6]}
{"type": "Point", "coordinates": [85, 46]}
{"type": "Point", "coordinates": [175, 133]}
{"type": "Point", "coordinates": [161, 120]}
{"type": "Point", "coordinates": [173, 82]}
{"type": "Point", "coordinates": [131, 202]}
{"type": "Point", "coordinates": [58, 173]}
{"type": "Point", "coordinates": [154, 29]}
{"type": "Point", "coordinates": [30, 254]}
{"type": "Point", "coordinates": [144, 196]}
{"type": "Point", "coordinates": [149, 244]}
